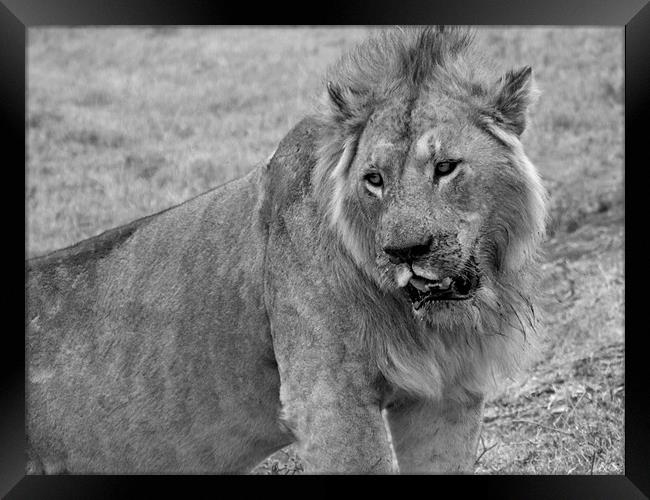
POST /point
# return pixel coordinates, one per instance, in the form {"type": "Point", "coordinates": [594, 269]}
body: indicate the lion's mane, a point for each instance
{"type": "Point", "coordinates": [470, 351]}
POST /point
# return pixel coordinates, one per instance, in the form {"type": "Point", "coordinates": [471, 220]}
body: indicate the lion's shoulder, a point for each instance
{"type": "Point", "coordinates": [300, 141]}
{"type": "Point", "coordinates": [291, 165]}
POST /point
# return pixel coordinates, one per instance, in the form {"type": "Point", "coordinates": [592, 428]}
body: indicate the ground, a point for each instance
{"type": "Point", "coordinates": [126, 122]}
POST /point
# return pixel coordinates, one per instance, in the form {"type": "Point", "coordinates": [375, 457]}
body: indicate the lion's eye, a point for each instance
{"type": "Point", "coordinates": [374, 179]}
{"type": "Point", "coordinates": [446, 167]}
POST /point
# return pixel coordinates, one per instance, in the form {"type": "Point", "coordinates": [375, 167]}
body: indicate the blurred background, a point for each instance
{"type": "Point", "coordinates": [125, 122]}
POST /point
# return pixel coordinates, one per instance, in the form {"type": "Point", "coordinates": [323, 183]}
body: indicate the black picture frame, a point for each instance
{"type": "Point", "coordinates": [18, 15]}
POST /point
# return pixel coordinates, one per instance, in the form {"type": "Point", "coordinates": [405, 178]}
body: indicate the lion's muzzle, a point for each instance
{"type": "Point", "coordinates": [432, 260]}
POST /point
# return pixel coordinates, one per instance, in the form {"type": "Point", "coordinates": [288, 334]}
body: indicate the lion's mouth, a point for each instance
{"type": "Point", "coordinates": [422, 285]}
{"type": "Point", "coordinates": [420, 291]}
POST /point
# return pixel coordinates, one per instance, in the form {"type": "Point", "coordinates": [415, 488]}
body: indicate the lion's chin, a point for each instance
{"type": "Point", "coordinates": [436, 311]}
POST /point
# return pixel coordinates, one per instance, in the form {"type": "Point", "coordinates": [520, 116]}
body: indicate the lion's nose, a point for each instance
{"type": "Point", "coordinates": [409, 251]}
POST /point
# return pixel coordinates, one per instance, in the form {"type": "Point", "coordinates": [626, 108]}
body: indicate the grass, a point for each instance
{"type": "Point", "coordinates": [125, 122]}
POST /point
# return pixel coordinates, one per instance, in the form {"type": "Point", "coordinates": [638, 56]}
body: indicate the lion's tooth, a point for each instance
{"type": "Point", "coordinates": [420, 284]}
{"type": "Point", "coordinates": [423, 272]}
{"type": "Point", "coordinates": [402, 276]}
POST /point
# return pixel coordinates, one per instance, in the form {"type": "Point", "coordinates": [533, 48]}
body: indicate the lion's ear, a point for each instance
{"type": "Point", "coordinates": [348, 109]}
{"type": "Point", "coordinates": [515, 92]}
{"type": "Point", "coordinates": [336, 96]}
{"type": "Point", "coordinates": [339, 100]}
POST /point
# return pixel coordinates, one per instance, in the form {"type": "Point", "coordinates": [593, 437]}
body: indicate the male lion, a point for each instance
{"type": "Point", "coordinates": [380, 265]}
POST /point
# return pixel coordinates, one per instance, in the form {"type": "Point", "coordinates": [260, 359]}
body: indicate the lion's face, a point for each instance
{"type": "Point", "coordinates": [449, 205]}
{"type": "Point", "coordinates": [427, 191]}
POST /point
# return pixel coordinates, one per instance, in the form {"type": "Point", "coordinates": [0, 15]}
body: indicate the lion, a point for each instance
{"type": "Point", "coordinates": [359, 294]}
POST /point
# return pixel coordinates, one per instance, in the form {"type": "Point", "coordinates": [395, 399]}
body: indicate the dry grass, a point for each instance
{"type": "Point", "coordinates": [125, 122]}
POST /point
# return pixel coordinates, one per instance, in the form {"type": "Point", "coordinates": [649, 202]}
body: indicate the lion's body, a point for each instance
{"type": "Point", "coordinates": [156, 355]}
{"type": "Point", "coordinates": [205, 337]}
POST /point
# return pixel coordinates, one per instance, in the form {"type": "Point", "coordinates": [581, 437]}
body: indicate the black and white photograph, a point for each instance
{"type": "Point", "coordinates": [325, 250]}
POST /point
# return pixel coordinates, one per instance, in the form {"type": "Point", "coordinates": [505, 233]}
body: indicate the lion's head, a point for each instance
{"type": "Point", "coordinates": [424, 179]}
{"type": "Point", "coordinates": [430, 190]}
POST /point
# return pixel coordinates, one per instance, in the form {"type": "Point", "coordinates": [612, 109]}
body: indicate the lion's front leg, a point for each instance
{"type": "Point", "coordinates": [435, 437]}
{"type": "Point", "coordinates": [338, 433]}
{"type": "Point", "coordinates": [330, 399]}
{"type": "Point", "coordinates": [330, 388]}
